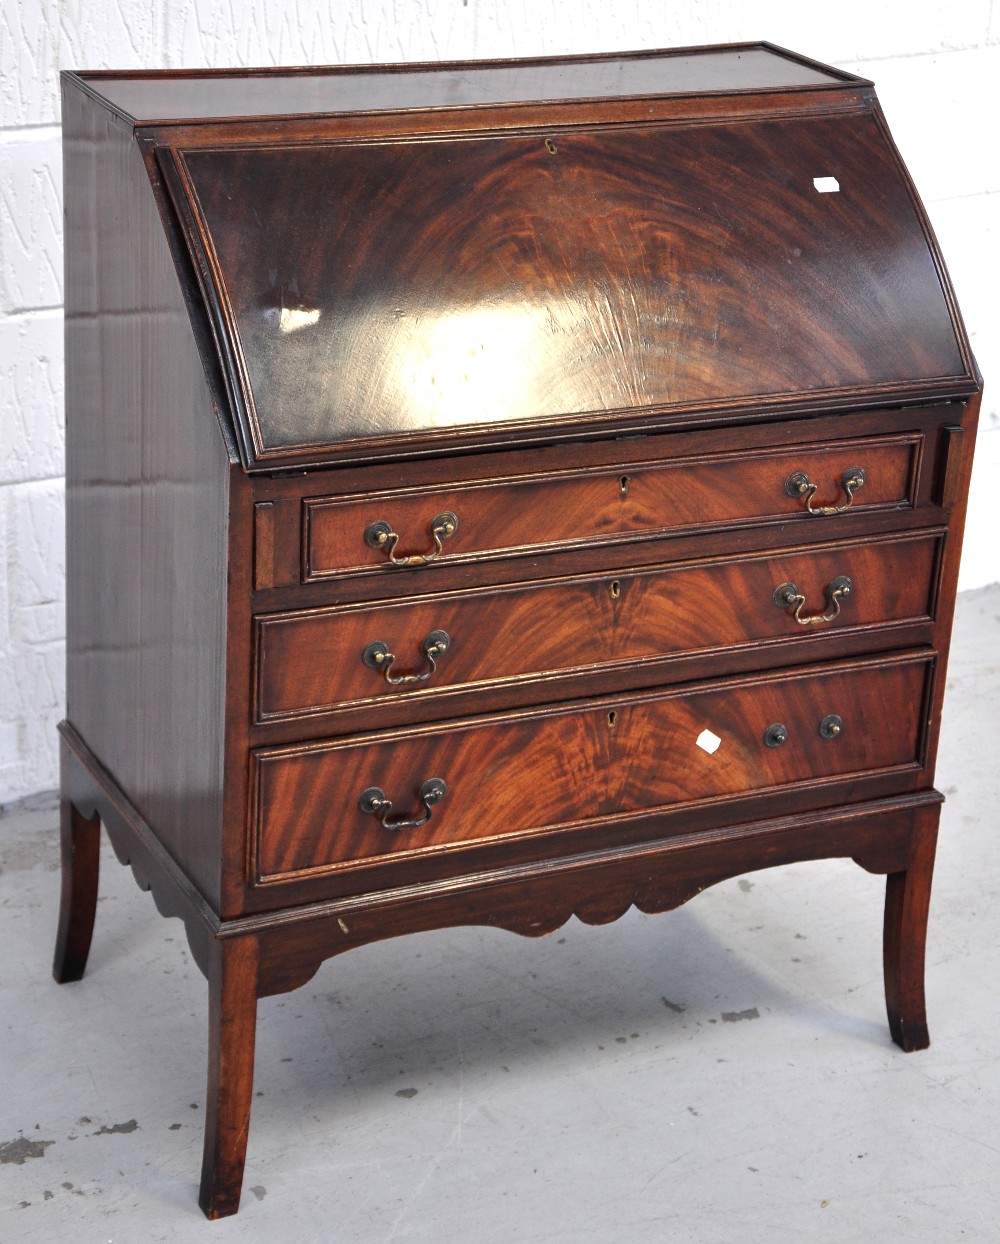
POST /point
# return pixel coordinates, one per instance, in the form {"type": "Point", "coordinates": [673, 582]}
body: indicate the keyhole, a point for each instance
{"type": "Point", "coordinates": [623, 485]}
{"type": "Point", "coordinates": [550, 146]}
{"type": "Point", "coordinates": [616, 589]}
{"type": "Point", "coordinates": [612, 718]}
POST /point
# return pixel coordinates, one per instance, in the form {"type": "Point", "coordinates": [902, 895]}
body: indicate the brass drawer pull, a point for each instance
{"type": "Point", "coordinates": [831, 727]}
{"type": "Point", "coordinates": [788, 596]}
{"type": "Point", "coordinates": [798, 485]}
{"type": "Point", "coordinates": [378, 657]}
{"type": "Point", "coordinates": [380, 535]}
{"type": "Point", "coordinates": [776, 735]}
{"type": "Point", "coordinates": [374, 801]}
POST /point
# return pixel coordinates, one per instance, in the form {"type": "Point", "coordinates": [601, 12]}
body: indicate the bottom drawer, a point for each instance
{"type": "Point", "coordinates": [317, 805]}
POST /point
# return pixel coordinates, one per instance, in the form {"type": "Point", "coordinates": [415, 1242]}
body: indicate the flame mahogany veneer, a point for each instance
{"type": "Point", "coordinates": [497, 493]}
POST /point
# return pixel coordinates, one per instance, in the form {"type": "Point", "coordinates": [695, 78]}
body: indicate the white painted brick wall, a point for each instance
{"type": "Point", "coordinates": [29, 53]}
{"type": "Point", "coordinates": [32, 683]}
{"type": "Point", "coordinates": [31, 396]}
{"type": "Point", "coordinates": [937, 68]}
{"type": "Point", "coordinates": [30, 220]}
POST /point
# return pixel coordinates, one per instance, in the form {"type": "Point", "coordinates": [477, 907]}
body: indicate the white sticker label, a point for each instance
{"type": "Point", "coordinates": [826, 185]}
{"type": "Point", "coordinates": [708, 742]}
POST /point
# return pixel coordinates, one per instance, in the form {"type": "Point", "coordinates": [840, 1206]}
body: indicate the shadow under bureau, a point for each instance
{"type": "Point", "coordinates": [497, 493]}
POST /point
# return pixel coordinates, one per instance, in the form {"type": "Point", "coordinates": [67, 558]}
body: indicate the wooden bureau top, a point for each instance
{"type": "Point", "coordinates": [155, 98]}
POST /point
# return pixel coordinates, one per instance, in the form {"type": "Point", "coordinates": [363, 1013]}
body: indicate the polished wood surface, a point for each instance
{"type": "Point", "coordinates": [79, 841]}
{"type": "Point", "coordinates": [653, 878]}
{"type": "Point", "coordinates": [907, 903]}
{"type": "Point", "coordinates": [571, 507]}
{"type": "Point", "coordinates": [602, 332]}
{"type": "Point", "coordinates": [557, 767]}
{"type": "Point", "coordinates": [312, 660]}
{"type": "Point", "coordinates": [216, 95]}
{"type": "Point", "coordinates": [645, 268]}
{"type": "Point", "coordinates": [232, 1032]}
{"type": "Point", "coordinates": [147, 482]}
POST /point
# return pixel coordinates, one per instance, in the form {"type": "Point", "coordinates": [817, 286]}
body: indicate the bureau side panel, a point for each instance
{"type": "Point", "coordinates": [147, 492]}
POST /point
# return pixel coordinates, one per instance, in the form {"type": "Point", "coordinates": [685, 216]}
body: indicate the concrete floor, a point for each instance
{"type": "Point", "coordinates": [719, 1073]}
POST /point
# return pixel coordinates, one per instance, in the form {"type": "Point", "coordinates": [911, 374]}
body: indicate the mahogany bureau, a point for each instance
{"type": "Point", "coordinates": [497, 493]}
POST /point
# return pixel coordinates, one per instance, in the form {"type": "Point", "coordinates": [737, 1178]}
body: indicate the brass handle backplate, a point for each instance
{"type": "Point", "coordinates": [373, 801]}
{"type": "Point", "coordinates": [799, 485]}
{"type": "Point", "coordinates": [788, 596]}
{"type": "Point", "coordinates": [378, 657]}
{"type": "Point", "coordinates": [380, 535]}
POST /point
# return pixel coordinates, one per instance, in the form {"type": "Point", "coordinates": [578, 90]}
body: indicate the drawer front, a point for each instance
{"type": "Point", "coordinates": [558, 767]}
{"type": "Point", "coordinates": [524, 514]}
{"type": "Point", "coordinates": [316, 660]}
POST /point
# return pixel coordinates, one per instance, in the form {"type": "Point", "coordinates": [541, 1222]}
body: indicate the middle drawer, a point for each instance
{"type": "Point", "coordinates": [313, 661]}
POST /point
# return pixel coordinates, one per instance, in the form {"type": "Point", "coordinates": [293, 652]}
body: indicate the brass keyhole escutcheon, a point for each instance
{"type": "Point", "coordinates": [616, 589]}
{"type": "Point", "coordinates": [612, 719]}
{"type": "Point", "coordinates": [623, 485]}
{"type": "Point", "coordinates": [550, 146]}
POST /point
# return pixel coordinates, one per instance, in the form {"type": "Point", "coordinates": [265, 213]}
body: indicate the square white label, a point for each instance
{"type": "Point", "coordinates": [708, 742]}
{"type": "Point", "coordinates": [826, 185]}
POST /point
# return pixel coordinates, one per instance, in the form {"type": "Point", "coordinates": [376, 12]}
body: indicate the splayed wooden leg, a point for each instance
{"type": "Point", "coordinates": [80, 840]}
{"type": "Point", "coordinates": [907, 901]}
{"type": "Point", "coordinates": [232, 993]}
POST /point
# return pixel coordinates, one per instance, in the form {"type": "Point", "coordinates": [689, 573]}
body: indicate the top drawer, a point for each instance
{"type": "Point", "coordinates": [451, 523]}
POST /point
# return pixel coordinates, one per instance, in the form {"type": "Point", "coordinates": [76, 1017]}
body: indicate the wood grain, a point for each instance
{"type": "Point", "coordinates": [80, 841]}
{"type": "Point", "coordinates": [560, 766]}
{"type": "Point", "coordinates": [572, 508]}
{"type": "Point", "coordinates": [534, 902]}
{"type": "Point", "coordinates": [907, 904]}
{"type": "Point", "coordinates": [232, 1029]}
{"type": "Point", "coordinates": [310, 660]}
{"type": "Point", "coordinates": [147, 477]}
{"type": "Point", "coordinates": [219, 94]}
{"type": "Point", "coordinates": [606, 271]}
